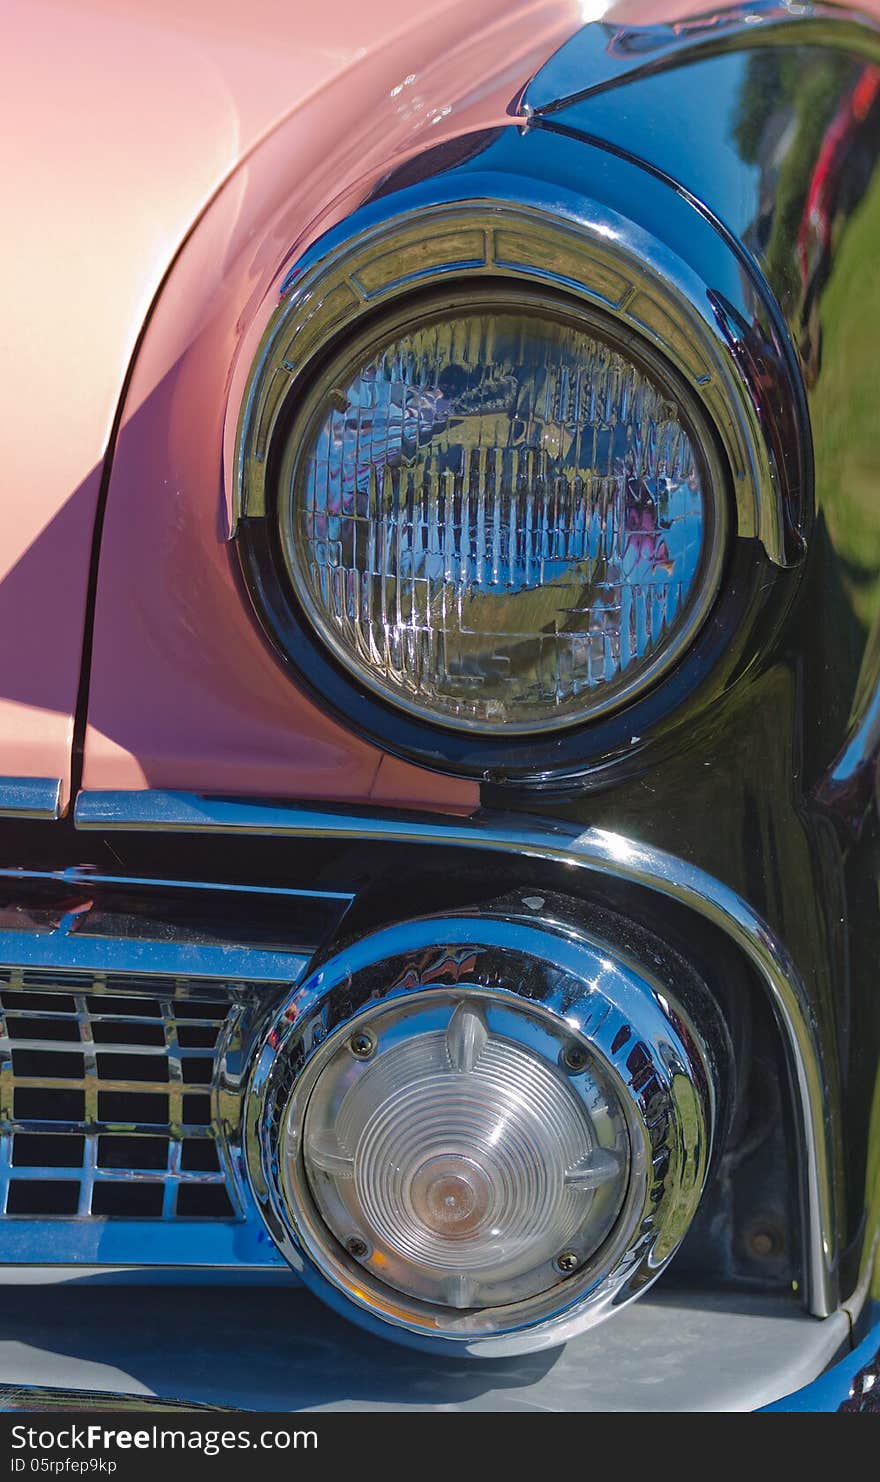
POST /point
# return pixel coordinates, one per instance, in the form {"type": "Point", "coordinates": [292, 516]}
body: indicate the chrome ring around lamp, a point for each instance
{"type": "Point", "coordinates": [485, 1132]}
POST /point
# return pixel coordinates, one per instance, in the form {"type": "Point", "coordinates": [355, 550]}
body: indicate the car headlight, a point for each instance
{"type": "Point", "coordinates": [497, 513]}
{"type": "Point", "coordinates": [485, 1131]}
{"type": "Point", "coordinates": [489, 466]}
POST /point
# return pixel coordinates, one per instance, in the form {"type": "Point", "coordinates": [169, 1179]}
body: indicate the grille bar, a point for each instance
{"type": "Point", "coordinates": [127, 1008]}
{"type": "Point", "coordinates": [70, 1169]}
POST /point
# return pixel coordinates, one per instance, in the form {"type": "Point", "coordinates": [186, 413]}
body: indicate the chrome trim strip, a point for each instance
{"type": "Point", "coordinates": [152, 1244]}
{"type": "Point", "coordinates": [854, 777]}
{"type": "Point", "coordinates": [590, 849]}
{"type": "Point", "coordinates": [62, 950]}
{"type": "Point", "coordinates": [88, 879]}
{"type": "Point", "coordinates": [30, 797]}
{"type": "Point", "coordinates": [137, 1275]}
{"type": "Point", "coordinates": [42, 1398]}
{"type": "Point", "coordinates": [66, 947]}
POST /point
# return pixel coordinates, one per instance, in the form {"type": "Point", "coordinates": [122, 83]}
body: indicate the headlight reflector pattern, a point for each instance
{"type": "Point", "coordinates": [500, 515]}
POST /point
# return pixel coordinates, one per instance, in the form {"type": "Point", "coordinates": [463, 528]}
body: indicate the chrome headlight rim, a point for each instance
{"type": "Point", "coordinates": [669, 1166]}
{"type": "Point", "coordinates": [495, 295]}
{"type": "Point", "coordinates": [563, 246]}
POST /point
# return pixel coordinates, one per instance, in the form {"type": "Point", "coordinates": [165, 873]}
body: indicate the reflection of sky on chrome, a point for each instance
{"type": "Point", "coordinates": [616, 846]}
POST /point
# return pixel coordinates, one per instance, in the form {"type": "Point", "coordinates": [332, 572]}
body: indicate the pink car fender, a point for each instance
{"type": "Point", "coordinates": [121, 123]}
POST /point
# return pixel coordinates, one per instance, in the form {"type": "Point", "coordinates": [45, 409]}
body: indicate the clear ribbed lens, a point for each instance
{"type": "Point", "coordinates": [460, 1165]}
{"type": "Point", "coordinates": [497, 519]}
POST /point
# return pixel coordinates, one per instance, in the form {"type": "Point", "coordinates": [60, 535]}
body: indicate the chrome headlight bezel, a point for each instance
{"type": "Point", "coordinates": [581, 989]}
{"type": "Point", "coordinates": [478, 246]}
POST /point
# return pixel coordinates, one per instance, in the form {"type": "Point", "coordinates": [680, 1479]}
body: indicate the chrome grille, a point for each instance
{"type": "Point", "coordinates": [110, 1098]}
{"type": "Point", "coordinates": [129, 1008]}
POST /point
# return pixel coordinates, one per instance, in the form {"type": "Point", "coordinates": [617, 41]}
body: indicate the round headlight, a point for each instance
{"type": "Point", "coordinates": [486, 1131]}
{"type": "Point", "coordinates": [500, 513]}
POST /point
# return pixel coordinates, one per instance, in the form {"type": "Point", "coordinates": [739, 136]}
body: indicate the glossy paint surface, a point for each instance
{"type": "Point", "coordinates": [782, 144]}
{"type": "Point", "coordinates": [120, 121]}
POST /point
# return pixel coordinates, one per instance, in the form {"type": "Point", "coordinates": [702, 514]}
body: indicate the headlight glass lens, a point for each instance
{"type": "Point", "coordinates": [454, 1162]}
{"type": "Point", "coordinates": [498, 517]}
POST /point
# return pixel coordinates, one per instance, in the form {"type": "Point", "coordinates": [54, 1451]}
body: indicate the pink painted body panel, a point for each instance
{"type": "Point", "coordinates": [119, 120]}
{"type": "Point", "coordinates": [184, 691]}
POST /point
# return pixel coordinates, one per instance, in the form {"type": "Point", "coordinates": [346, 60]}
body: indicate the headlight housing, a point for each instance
{"type": "Point", "coordinates": [497, 511]}
{"type": "Point", "coordinates": [488, 467]}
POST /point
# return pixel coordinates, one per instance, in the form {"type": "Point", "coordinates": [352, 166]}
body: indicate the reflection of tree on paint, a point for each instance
{"type": "Point", "coordinates": [838, 182]}
{"type": "Point", "coordinates": [810, 119]}
{"type": "Point", "coordinates": [787, 100]}
{"type": "Point", "coordinates": [829, 188]}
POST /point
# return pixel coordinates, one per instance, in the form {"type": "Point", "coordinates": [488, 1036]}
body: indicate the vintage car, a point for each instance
{"type": "Point", "coordinates": [440, 704]}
